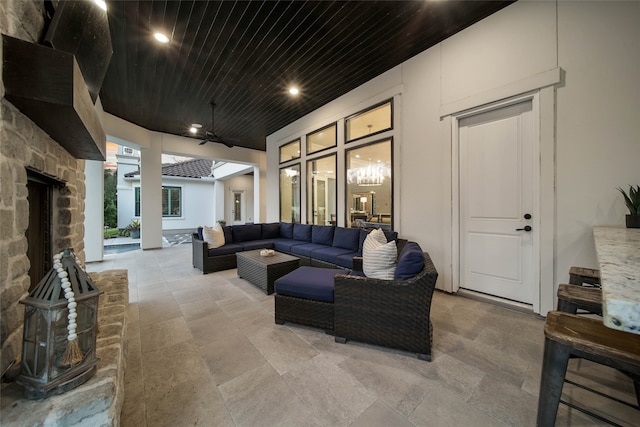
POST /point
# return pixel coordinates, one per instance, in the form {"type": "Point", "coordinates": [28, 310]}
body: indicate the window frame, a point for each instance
{"type": "Point", "coordinates": [299, 211]}
{"type": "Point", "coordinates": [362, 112]}
{"type": "Point", "coordinates": [179, 188]}
{"type": "Point", "coordinates": [347, 194]}
{"type": "Point", "coordinates": [309, 219]}
{"type": "Point", "coordinates": [299, 142]}
{"type": "Point", "coordinates": [335, 137]}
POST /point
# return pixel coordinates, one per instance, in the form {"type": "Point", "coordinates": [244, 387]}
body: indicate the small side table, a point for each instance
{"type": "Point", "coordinates": [262, 271]}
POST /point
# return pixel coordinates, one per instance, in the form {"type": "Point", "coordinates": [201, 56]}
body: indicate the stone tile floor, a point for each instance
{"type": "Point", "coordinates": [204, 350]}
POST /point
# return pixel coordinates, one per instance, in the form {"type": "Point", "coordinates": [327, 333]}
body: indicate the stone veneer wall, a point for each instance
{"type": "Point", "coordinates": [23, 144]}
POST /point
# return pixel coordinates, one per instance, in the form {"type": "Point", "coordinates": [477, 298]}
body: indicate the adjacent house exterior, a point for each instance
{"type": "Point", "coordinates": [189, 193]}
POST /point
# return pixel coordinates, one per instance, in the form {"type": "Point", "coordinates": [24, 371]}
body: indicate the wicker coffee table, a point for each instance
{"type": "Point", "coordinates": [262, 271]}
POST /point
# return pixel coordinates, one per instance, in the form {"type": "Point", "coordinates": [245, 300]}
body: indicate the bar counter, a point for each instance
{"type": "Point", "coordinates": [618, 251]}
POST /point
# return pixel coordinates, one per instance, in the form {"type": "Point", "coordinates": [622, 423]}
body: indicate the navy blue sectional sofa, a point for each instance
{"type": "Point", "coordinates": [316, 245]}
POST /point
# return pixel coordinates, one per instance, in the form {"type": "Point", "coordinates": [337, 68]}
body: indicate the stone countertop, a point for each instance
{"type": "Point", "coordinates": [618, 251]}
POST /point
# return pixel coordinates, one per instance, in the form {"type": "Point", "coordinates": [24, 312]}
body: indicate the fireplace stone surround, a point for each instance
{"type": "Point", "coordinates": [24, 145]}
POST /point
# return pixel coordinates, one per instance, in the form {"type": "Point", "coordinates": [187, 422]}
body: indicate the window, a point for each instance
{"type": "Point", "coordinates": [290, 151]}
{"type": "Point", "coordinates": [370, 185]}
{"type": "Point", "coordinates": [171, 201]}
{"type": "Point", "coordinates": [321, 197]}
{"type": "Point", "coordinates": [322, 139]}
{"type": "Point", "coordinates": [374, 120]}
{"type": "Point", "coordinates": [290, 193]}
{"type": "Point", "coordinates": [136, 210]}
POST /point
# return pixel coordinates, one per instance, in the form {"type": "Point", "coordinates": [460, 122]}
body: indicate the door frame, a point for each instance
{"type": "Point", "coordinates": [243, 210]}
{"type": "Point", "coordinates": [534, 98]}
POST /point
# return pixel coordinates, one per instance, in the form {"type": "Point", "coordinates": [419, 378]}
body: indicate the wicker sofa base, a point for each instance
{"type": "Point", "coordinates": [318, 314]}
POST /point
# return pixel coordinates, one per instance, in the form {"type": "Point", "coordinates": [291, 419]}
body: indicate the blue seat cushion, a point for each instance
{"type": "Point", "coordinates": [306, 248]}
{"type": "Point", "coordinates": [302, 232]}
{"type": "Point", "coordinates": [257, 244]}
{"type": "Point", "coordinates": [346, 260]}
{"type": "Point", "coordinates": [227, 249]}
{"type": "Point", "coordinates": [346, 238]}
{"type": "Point", "coordinates": [308, 283]}
{"type": "Point", "coordinates": [322, 234]}
{"type": "Point", "coordinates": [285, 245]}
{"type": "Point", "coordinates": [410, 261]}
{"type": "Point", "coordinates": [246, 233]}
{"type": "Point", "coordinates": [329, 254]}
{"type": "Point", "coordinates": [271, 231]}
{"type": "Point", "coordinates": [286, 230]}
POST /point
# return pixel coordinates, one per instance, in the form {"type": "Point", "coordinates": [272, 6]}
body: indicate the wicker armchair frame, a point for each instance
{"type": "Point", "coordinates": [389, 313]}
{"type": "Point", "coordinates": [208, 264]}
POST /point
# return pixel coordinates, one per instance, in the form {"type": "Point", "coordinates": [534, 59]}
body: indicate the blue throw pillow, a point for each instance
{"type": "Point", "coordinates": [346, 238]}
{"type": "Point", "coordinates": [410, 261]}
{"type": "Point", "coordinates": [286, 230]}
{"type": "Point", "coordinates": [363, 235]}
{"type": "Point", "coordinates": [271, 231]}
{"type": "Point", "coordinates": [302, 232]}
{"type": "Point", "coordinates": [200, 233]}
{"type": "Point", "coordinates": [322, 234]}
{"type": "Point", "coordinates": [391, 235]}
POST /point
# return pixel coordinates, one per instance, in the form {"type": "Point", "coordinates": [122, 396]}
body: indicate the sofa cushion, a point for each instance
{"type": "Point", "coordinates": [228, 234]}
{"type": "Point", "coordinates": [346, 260]}
{"type": "Point", "coordinates": [306, 248]}
{"type": "Point", "coordinates": [363, 235]}
{"type": "Point", "coordinates": [271, 231]}
{"type": "Point", "coordinates": [410, 261]}
{"type": "Point", "coordinates": [329, 254]}
{"type": "Point", "coordinates": [302, 232]}
{"type": "Point", "coordinates": [286, 230]}
{"type": "Point", "coordinates": [247, 232]}
{"type": "Point", "coordinates": [200, 233]}
{"type": "Point", "coordinates": [379, 256]}
{"type": "Point", "coordinates": [227, 249]}
{"type": "Point", "coordinates": [214, 236]}
{"type": "Point", "coordinates": [285, 245]}
{"type": "Point", "coordinates": [322, 234]}
{"type": "Point", "coordinates": [308, 283]}
{"type": "Point", "coordinates": [257, 244]}
{"type": "Point", "coordinates": [346, 238]}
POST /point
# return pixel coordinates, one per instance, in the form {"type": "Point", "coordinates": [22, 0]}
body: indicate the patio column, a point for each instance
{"type": "Point", "coordinates": [94, 211]}
{"type": "Point", "coordinates": [151, 196]}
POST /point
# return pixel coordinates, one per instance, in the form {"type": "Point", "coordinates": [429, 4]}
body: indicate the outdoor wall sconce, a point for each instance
{"type": "Point", "coordinates": [60, 326]}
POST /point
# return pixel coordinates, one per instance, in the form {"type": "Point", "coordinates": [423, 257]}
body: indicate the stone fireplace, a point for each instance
{"type": "Point", "coordinates": [27, 151]}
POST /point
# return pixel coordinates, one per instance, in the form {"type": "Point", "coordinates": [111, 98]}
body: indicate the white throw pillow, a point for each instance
{"type": "Point", "coordinates": [379, 257]}
{"type": "Point", "coordinates": [214, 236]}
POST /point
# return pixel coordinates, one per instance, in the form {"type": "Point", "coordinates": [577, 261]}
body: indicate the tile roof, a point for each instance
{"type": "Point", "coordinates": [196, 168]}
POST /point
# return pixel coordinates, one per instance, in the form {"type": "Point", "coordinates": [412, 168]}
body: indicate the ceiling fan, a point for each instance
{"type": "Point", "coordinates": [212, 136]}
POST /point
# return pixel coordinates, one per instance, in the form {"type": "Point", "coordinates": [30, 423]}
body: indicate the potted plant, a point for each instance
{"type": "Point", "coordinates": [632, 200]}
{"type": "Point", "coordinates": [222, 222]}
{"type": "Point", "coordinates": [134, 229]}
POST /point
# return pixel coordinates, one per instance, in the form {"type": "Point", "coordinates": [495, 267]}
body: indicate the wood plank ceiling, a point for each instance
{"type": "Point", "coordinates": [245, 54]}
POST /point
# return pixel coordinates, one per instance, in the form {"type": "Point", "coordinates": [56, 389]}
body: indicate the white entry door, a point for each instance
{"type": "Point", "coordinates": [498, 180]}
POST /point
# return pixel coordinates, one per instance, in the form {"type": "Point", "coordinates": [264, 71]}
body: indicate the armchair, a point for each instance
{"type": "Point", "coordinates": [389, 313]}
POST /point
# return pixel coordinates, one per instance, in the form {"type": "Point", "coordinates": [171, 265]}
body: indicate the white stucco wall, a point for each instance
{"type": "Point", "coordinates": [596, 124]}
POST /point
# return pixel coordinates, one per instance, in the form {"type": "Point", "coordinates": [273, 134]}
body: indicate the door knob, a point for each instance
{"type": "Point", "coordinates": [526, 228]}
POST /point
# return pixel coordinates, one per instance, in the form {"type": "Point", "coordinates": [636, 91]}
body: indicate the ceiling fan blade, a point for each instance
{"type": "Point", "coordinates": [204, 141]}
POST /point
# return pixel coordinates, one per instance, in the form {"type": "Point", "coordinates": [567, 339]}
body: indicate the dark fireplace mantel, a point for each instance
{"type": "Point", "coordinates": [47, 86]}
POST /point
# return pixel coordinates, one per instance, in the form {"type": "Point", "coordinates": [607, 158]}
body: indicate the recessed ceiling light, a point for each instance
{"type": "Point", "coordinates": [161, 37]}
{"type": "Point", "coordinates": [294, 90]}
{"type": "Point", "coordinates": [101, 3]}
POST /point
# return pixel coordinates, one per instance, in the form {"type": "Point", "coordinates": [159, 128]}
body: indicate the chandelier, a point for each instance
{"type": "Point", "coordinates": [368, 176]}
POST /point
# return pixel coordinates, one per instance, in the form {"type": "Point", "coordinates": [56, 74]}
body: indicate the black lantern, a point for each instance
{"type": "Point", "coordinates": [60, 324]}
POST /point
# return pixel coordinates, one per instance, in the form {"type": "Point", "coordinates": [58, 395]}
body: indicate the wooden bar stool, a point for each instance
{"type": "Point", "coordinates": [581, 276]}
{"type": "Point", "coordinates": [566, 335]}
{"type": "Point", "coordinates": [572, 298]}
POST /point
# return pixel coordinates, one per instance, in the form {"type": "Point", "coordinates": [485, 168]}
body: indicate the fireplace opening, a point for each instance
{"type": "Point", "coordinates": [39, 235]}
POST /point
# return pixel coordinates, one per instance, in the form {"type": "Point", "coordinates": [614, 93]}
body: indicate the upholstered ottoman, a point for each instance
{"type": "Point", "coordinates": [305, 296]}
